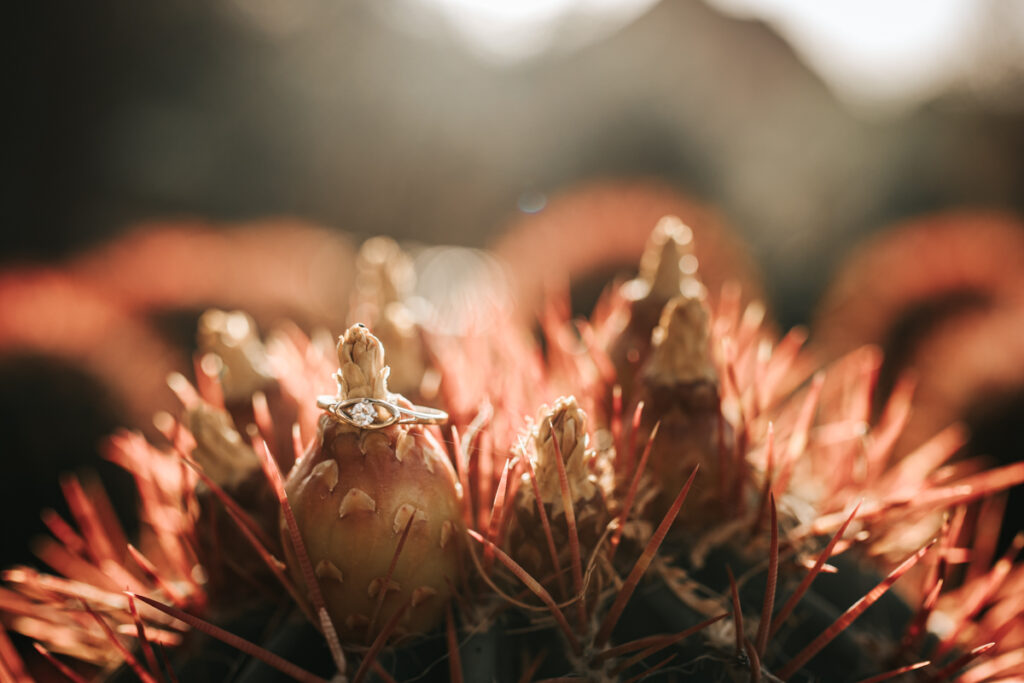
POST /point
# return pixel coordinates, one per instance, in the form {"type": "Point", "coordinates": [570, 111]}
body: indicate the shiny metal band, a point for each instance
{"type": "Point", "coordinates": [365, 413]}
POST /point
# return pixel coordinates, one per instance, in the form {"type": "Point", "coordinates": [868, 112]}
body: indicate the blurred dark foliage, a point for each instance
{"type": "Point", "coordinates": [47, 434]}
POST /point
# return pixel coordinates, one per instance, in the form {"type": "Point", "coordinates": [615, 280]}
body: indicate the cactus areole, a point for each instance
{"type": "Point", "coordinates": [378, 509]}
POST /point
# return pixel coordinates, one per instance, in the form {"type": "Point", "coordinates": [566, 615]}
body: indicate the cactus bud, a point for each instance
{"type": "Point", "coordinates": [219, 449]}
{"type": "Point", "coordinates": [244, 370]}
{"type": "Point", "coordinates": [680, 354]}
{"type": "Point", "coordinates": [232, 337]}
{"type": "Point", "coordinates": [566, 424]}
{"type": "Point", "coordinates": [359, 491]}
{"type": "Point", "coordinates": [385, 279]}
{"type": "Point", "coordinates": [232, 465]}
{"type": "Point", "coordinates": [668, 269]}
{"type": "Point", "coordinates": [680, 390]}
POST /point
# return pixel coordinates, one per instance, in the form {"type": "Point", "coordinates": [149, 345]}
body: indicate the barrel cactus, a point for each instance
{"type": "Point", "coordinates": [666, 490]}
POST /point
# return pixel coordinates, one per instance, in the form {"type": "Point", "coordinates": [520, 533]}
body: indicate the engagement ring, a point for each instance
{"type": "Point", "coordinates": [365, 413]}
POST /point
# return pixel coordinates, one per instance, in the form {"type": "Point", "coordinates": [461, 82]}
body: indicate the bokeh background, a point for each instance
{"type": "Point", "coordinates": [317, 123]}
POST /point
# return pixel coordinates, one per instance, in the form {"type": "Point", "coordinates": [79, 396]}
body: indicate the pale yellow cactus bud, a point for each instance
{"type": "Point", "coordinates": [680, 395]}
{"type": "Point", "coordinates": [384, 272]}
{"type": "Point", "coordinates": [563, 424]}
{"type": "Point", "coordinates": [220, 449]}
{"type": "Point", "coordinates": [566, 423]}
{"type": "Point", "coordinates": [232, 337]}
{"type": "Point", "coordinates": [385, 278]}
{"type": "Point", "coordinates": [668, 269]}
{"type": "Point", "coordinates": [361, 369]}
{"type": "Point", "coordinates": [668, 266]}
{"type": "Point", "coordinates": [680, 351]}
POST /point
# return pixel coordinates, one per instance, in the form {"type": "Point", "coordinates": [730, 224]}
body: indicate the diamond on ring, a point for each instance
{"type": "Point", "coordinates": [362, 414]}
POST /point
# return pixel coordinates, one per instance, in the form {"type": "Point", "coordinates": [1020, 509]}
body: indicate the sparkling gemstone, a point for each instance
{"type": "Point", "coordinates": [363, 413]}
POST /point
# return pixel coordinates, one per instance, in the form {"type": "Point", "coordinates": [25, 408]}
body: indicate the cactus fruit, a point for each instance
{"type": "Point", "coordinates": [379, 510]}
{"type": "Point", "coordinates": [721, 514]}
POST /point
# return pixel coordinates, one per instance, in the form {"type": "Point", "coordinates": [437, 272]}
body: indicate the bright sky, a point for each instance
{"type": "Point", "coordinates": [508, 31]}
{"type": "Point", "coordinates": [884, 53]}
{"type": "Point", "coordinates": [875, 54]}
